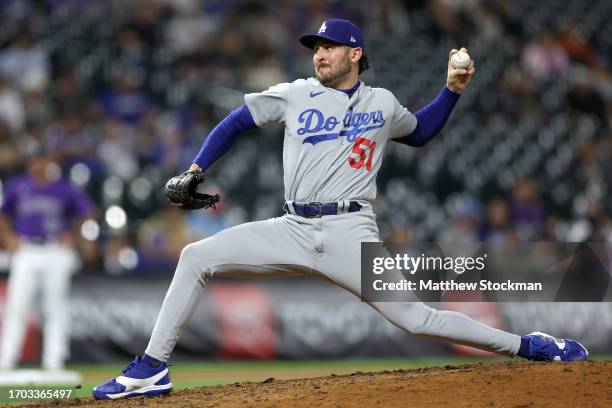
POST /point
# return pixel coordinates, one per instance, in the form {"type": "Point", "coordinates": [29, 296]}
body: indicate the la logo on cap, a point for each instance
{"type": "Point", "coordinates": [353, 39]}
{"type": "Point", "coordinates": [323, 28]}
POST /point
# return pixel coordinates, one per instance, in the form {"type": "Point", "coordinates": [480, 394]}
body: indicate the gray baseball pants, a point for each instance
{"type": "Point", "coordinates": [328, 247]}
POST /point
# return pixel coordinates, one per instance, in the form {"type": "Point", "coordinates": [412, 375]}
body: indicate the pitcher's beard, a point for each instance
{"type": "Point", "coordinates": [330, 76]}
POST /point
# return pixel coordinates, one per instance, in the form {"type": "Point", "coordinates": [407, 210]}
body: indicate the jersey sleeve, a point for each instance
{"type": "Point", "coordinates": [403, 121]}
{"type": "Point", "coordinates": [270, 106]}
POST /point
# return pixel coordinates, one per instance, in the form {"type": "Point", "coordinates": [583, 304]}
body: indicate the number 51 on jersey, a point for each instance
{"type": "Point", "coordinates": [363, 151]}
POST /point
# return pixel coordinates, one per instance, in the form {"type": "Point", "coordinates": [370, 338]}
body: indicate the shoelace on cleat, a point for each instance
{"type": "Point", "coordinates": [129, 367]}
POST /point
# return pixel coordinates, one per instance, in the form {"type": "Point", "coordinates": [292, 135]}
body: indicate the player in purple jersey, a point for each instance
{"type": "Point", "coordinates": [39, 219]}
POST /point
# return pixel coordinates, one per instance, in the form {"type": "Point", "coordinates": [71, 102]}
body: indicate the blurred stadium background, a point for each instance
{"type": "Point", "coordinates": [124, 92]}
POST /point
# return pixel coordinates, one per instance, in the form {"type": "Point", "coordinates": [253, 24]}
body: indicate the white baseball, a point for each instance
{"type": "Point", "coordinates": [460, 60]}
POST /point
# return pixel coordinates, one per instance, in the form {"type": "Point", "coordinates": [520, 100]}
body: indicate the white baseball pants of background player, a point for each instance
{"type": "Point", "coordinates": [328, 247]}
{"type": "Point", "coordinates": [34, 267]}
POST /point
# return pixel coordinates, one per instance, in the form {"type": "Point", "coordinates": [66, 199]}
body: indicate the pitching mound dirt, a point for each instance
{"type": "Point", "coordinates": [513, 384]}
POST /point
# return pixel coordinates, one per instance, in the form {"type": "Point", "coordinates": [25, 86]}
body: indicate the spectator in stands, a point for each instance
{"type": "Point", "coordinates": [12, 109]}
{"type": "Point", "coordinates": [34, 136]}
{"type": "Point", "coordinates": [37, 107]}
{"type": "Point", "coordinates": [10, 157]}
{"type": "Point", "coordinates": [515, 89]}
{"type": "Point", "coordinates": [497, 226]}
{"type": "Point", "coordinates": [576, 46]}
{"type": "Point", "coordinates": [400, 230]}
{"type": "Point", "coordinates": [116, 149]}
{"type": "Point", "coordinates": [25, 64]}
{"type": "Point", "coordinates": [148, 21]}
{"type": "Point", "coordinates": [543, 56]}
{"type": "Point", "coordinates": [131, 50]}
{"type": "Point", "coordinates": [528, 213]}
{"type": "Point", "coordinates": [463, 227]}
{"type": "Point", "coordinates": [486, 17]}
{"type": "Point", "coordinates": [173, 149]}
{"type": "Point", "coordinates": [161, 238]}
{"type": "Point", "coordinates": [69, 97]}
{"type": "Point", "coordinates": [593, 224]}
{"type": "Point", "coordinates": [449, 21]}
{"type": "Point", "coordinates": [188, 27]}
{"type": "Point", "coordinates": [126, 100]}
{"type": "Point", "coordinates": [73, 142]}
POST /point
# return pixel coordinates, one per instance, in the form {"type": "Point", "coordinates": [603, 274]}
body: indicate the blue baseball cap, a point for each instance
{"type": "Point", "coordinates": [335, 30]}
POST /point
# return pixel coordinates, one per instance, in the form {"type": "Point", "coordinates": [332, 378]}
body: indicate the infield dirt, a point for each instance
{"type": "Point", "coordinates": [512, 384]}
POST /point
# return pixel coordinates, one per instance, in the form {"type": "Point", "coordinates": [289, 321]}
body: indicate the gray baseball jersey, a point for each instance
{"type": "Point", "coordinates": [332, 151]}
{"type": "Point", "coordinates": [333, 144]}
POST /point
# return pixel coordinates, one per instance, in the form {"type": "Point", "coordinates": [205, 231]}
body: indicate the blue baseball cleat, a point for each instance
{"type": "Point", "coordinates": [544, 347]}
{"type": "Point", "coordinates": [136, 379]}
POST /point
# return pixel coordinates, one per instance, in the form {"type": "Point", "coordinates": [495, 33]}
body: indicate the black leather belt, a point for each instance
{"type": "Point", "coordinates": [316, 209]}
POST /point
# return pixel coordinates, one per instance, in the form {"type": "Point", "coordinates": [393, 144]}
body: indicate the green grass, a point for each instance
{"type": "Point", "coordinates": [191, 374]}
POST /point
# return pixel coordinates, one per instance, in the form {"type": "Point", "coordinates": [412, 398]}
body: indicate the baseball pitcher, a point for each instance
{"type": "Point", "coordinates": [336, 129]}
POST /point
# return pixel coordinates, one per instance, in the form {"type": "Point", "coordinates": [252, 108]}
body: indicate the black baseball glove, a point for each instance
{"type": "Point", "coordinates": [182, 191]}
